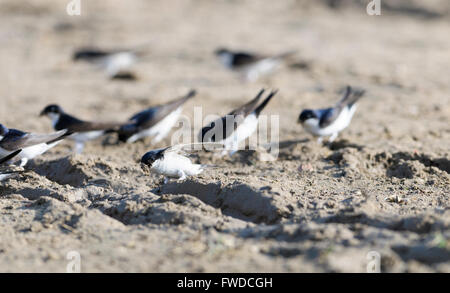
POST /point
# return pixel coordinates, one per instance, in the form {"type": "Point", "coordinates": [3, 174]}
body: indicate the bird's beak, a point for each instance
{"type": "Point", "coordinates": [145, 168]}
{"type": "Point", "coordinates": [42, 114]}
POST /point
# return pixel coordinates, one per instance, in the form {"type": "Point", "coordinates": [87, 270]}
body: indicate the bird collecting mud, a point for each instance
{"type": "Point", "coordinates": [172, 162]}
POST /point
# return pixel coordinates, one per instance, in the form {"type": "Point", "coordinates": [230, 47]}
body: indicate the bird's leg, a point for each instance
{"type": "Point", "coordinates": [23, 162]}
{"type": "Point", "coordinates": [181, 175]}
{"type": "Point", "coordinates": [333, 137]}
{"type": "Point", "coordinates": [79, 146]}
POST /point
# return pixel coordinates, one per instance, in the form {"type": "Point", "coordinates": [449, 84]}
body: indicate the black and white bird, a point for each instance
{"type": "Point", "coordinates": [31, 144]}
{"type": "Point", "coordinates": [172, 162]}
{"type": "Point", "coordinates": [82, 131]}
{"type": "Point", "coordinates": [155, 122]}
{"type": "Point", "coordinates": [331, 121]}
{"type": "Point", "coordinates": [7, 173]}
{"type": "Point", "coordinates": [237, 125]}
{"type": "Point", "coordinates": [248, 65]}
{"type": "Point", "coordinates": [114, 63]}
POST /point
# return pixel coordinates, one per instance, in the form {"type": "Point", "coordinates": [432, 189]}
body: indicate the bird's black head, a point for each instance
{"type": "Point", "coordinates": [305, 115]}
{"type": "Point", "coordinates": [51, 109]}
{"type": "Point", "coordinates": [149, 158]}
{"type": "Point", "coordinates": [3, 130]}
{"type": "Point", "coordinates": [221, 51]}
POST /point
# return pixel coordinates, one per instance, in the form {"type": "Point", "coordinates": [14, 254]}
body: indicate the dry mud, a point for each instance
{"type": "Point", "coordinates": [382, 186]}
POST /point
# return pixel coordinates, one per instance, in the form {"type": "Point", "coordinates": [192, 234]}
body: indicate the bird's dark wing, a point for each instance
{"type": "Point", "coordinates": [10, 156]}
{"type": "Point", "coordinates": [328, 116]}
{"type": "Point", "coordinates": [246, 109]}
{"type": "Point", "coordinates": [146, 117]}
{"type": "Point", "coordinates": [264, 103]}
{"type": "Point", "coordinates": [66, 121]}
{"type": "Point", "coordinates": [76, 125]}
{"type": "Point", "coordinates": [90, 54]}
{"type": "Point", "coordinates": [224, 126]}
{"type": "Point", "coordinates": [221, 125]}
{"type": "Point", "coordinates": [99, 126]}
{"type": "Point", "coordinates": [152, 116]}
{"type": "Point", "coordinates": [230, 122]}
{"type": "Point", "coordinates": [16, 139]}
{"type": "Point", "coordinates": [351, 96]}
{"type": "Point", "coordinates": [254, 105]}
{"type": "Point", "coordinates": [244, 58]}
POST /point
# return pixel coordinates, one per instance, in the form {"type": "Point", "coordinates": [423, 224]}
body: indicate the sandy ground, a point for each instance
{"type": "Point", "coordinates": [382, 186]}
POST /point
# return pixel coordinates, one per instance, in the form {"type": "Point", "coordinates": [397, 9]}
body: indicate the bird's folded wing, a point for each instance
{"type": "Point", "coordinates": [95, 126]}
{"type": "Point", "coordinates": [328, 116]}
{"type": "Point", "coordinates": [351, 96]}
{"type": "Point", "coordinates": [244, 58]}
{"type": "Point", "coordinates": [152, 116]}
{"type": "Point", "coordinates": [10, 156]}
{"type": "Point", "coordinates": [249, 107]}
{"type": "Point", "coordinates": [30, 139]}
{"type": "Point", "coordinates": [236, 117]}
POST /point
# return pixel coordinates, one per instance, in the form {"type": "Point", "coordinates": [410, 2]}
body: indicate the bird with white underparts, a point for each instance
{"type": "Point", "coordinates": [115, 63]}
{"type": "Point", "coordinates": [6, 172]}
{"type": "Point", "coordinates": [155, 122]}
{"type": "Point", "coordinates": [82, 131]}
{"type": "Point", "coordinates": [233, 128]}
{"type": "Point", "coordinates": [31, 144]}
{"type": "Point", "coordinates": [173, 161]}
{"type": "Point", "coordinates": [250, 66]}
{"type": "Point", "coordinates": [331, 121]}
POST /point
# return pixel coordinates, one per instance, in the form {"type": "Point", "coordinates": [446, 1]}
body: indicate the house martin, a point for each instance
{"type": "Point", "coordinates": [31, 144]}
{"type": "Point", "coordinates": [155, 122]}
{"type": "Point", "coordinates": [248, 65]}
{"type": "Point", "coordinates": [237, 125]}
{"type": "Point", "coordinates": [82, 131]}
{"type": "Point", "coordinates": [331, 121]}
